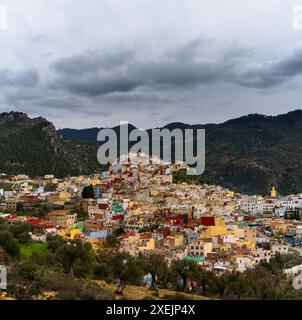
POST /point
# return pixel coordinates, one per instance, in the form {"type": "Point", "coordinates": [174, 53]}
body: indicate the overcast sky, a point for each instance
{"type": "Point", "coordinates": [97, 62]}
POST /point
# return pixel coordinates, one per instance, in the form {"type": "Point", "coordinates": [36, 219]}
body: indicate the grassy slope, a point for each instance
{"type": "Point", "coordinates": [140, 293]}
{"type": "Point", "coordinates": [28, 249]}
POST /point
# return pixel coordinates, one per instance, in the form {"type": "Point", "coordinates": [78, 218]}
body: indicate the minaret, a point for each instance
{"type": "Point", "coordinates": [273, 193]}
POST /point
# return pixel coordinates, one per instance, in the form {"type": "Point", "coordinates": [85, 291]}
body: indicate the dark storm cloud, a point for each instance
{"type": "Point", "coordinates": [271, 74]}
{"type": "Point", "coordinates": [131, 81]}
{"type": "Point", "coordinates": [92, 74]}
{"type": "Point", "coordinates": [187, 58]}
{"type": "Point", "coordinates": [95, 85]}
{"type": "Point", "coordinates": [90, 62]}
{"type": "Point", "coordinates": [27, 78]}
{"type": "Point", "coordinates": [289, 66]}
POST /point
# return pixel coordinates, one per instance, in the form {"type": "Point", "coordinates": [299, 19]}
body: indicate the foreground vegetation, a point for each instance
{"type": "Point", "coordinates": [143, 293]}
{"type": "Point", "coordinates": [29, 249]}
{"type": "Point", "coordinates": [61, 270]}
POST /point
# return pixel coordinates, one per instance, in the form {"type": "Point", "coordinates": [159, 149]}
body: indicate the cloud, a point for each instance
{"type": "Point", "coordinates": [91, 61]}
{"type": "Point", "coordinates": [198, 61]}
{"type": "Point", "coordinates": [25, 78]}
{"type": "Point", "coordinates": [272, 74]}
{"type": "Point", "coordinates": [189, 65]}
{"type": "Point", "coordinates": [130, 82]}
{"type": "Point", "coordinates": [93, 74]}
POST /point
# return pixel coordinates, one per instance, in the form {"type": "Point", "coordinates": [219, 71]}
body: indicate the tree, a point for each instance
{"type": "Point", "coordinates": [71, 252]}
{"type": "Point", "coordinates": [125, 269]}
{"type": "Point", "coordinates": [183, 270]}
{"type": "Point", "coordinates": [158, 268]}
{"type": "Point", "coordinates": [9, 244]}
{"type": "Point", "coordinates": [18, 230]}
{"type": "Point", "coordinates": [204, 279]}
{"type": "Point", "coordinates": [111, 244]}
{"type": "Point", "coordinates": [20, 207]}
{"type": "Point", "coordinates": [81, 215]}
{"type": "Point", "coordinates": [236, 285]}
{"type": "Point", "coordinates": [28, 269]}
{"type": "Point", "coordinates": [119, 232]}
{"type": "Point", "coordinates": [54, 242]}
{"type": "Point", "coordinates": [88, 192]}
{"type": "Point", "coordinates": [24, 237]}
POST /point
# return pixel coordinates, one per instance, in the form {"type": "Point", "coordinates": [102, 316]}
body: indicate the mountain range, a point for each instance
{"type": "Point", "coordinates": [248, 154]}
{"type": "Point", "coordinates": [34, 147]}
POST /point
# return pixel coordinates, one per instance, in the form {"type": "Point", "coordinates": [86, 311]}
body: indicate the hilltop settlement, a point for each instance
{"type": "Point", "coordinates": [150, 213]}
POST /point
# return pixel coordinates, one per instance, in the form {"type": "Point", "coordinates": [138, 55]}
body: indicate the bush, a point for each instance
{"type": "Point", "coordinates": [9, 244]}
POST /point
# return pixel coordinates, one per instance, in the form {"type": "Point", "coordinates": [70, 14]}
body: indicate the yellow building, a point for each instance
{"type": "Point", "coordinates": [218, 229]}
{"type": "Point", "coordinates": [137, 211]}
{"type": "Point", "coordinates": [70, 233]}
{"type": "Point", "coordinates": [279, 227]}
{"type": "Point", "coordinates": [64, 196]}
{"type": "Point", "coordinates": [274, 192]}
{"type": "Point", "coordinates": [229, 194]}
{"type": "Point", "coordinates": [250, 245]}
{"type": "Point", "coordinates": [175, 241]}
{"type": "Point", "coordinates": [93, 182]}
{"type": "Point", "coordinates": [149, 245]}
{"type": "Point", "coordinates": [213, 231]}
{"type": "Point", "coordinates": [219, 222]}
{"type": "Point", "coordinates": [55, 181]}
{"type": "Point", "coordinates": [53, 198]}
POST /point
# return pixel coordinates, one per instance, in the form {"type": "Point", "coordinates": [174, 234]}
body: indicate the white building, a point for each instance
{"type": "Point", "coordinates": [243, 263]}
{"type": "Point", "coordinates": [279, 248]}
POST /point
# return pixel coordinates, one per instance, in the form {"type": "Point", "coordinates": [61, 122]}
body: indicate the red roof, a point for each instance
{"type": "Point", "coordinates": [12, 218]}
{"type": "Point", "coordinates": [118, 217]}
{"type": "Point", "coordinates": [34, 221]}
{"type": "Point", "coordinates": [49, 226]}
{"type": "Point", "coordinates": [208, 221]}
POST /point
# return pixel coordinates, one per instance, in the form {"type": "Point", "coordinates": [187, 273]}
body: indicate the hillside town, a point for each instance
{"type": "Point", "coordinates": [138, 202]}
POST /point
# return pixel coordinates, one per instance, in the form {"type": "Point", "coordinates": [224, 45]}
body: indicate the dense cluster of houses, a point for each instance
{"type": "Point", "coordinates": [138, 202]}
